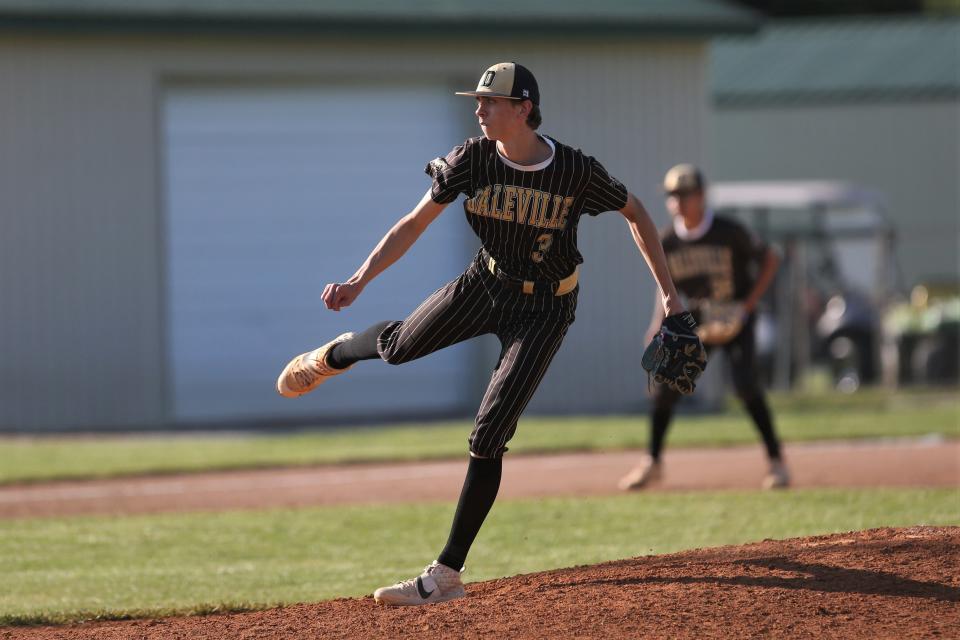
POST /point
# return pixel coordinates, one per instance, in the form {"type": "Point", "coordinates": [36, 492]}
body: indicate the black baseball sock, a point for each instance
{"type": "Point", "coordinates": [479, 492]}
{"type": "Point", "coordinates": [757, 408]}
{"type": "Point", "coordinates": [362, 346]}
{"type": "Point", "coordinates": [659, 423]}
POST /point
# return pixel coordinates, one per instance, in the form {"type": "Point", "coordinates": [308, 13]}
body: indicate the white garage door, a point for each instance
{"type": "Point", "coordinates": [273, 192]}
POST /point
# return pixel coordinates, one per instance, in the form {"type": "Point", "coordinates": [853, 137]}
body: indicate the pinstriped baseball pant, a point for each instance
{"type": "Point", "coordinates": [530, 327]}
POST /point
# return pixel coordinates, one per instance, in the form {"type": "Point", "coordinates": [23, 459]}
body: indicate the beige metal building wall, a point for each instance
{"type": "Point", "coordinates": [81, 199]}
{"type": "Point", "coordinates": [79, 252]}
{"type": "Point", "coordinates": [907, 150]}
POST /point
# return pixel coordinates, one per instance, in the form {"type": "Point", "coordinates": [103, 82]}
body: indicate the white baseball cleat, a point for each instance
{"type": "Point", "coordinates": [647, 472]}
{"type": "Point", "coordinates": [309, 370]}
{"type": "Point", "coordinates": [437, 583]}
{"type": "Point", "coordinates": [778, 477]}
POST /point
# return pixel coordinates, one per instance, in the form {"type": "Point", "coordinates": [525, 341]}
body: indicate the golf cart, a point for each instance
{"type": "Point", "coordinates": [837, 275]}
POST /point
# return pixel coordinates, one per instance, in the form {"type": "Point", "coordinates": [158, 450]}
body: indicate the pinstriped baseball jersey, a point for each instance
{"type": "Point", "coordinates": [526, 216]}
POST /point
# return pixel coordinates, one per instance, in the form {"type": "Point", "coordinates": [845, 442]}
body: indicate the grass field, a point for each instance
{"type": "Point", "coordinates": [60, 570]}
{"type": "Point", "coordinates": [871, 414]}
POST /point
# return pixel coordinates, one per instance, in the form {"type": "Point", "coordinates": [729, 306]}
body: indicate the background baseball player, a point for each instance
{"type": "Point", "coordinates": [525, 195]}
{"type": "Point", "coordinates": [722, 270]}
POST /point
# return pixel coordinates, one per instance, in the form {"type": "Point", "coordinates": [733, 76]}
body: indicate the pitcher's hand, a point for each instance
{"type": "Point", "coordinates": [338, 295]}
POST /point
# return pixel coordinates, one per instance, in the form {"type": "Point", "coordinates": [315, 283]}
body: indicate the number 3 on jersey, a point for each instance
{"type": "Point", "coordinates": [544, 242]}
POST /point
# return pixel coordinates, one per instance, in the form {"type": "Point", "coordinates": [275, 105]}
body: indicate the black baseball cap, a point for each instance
{"type": "Point", "coordinates": [507, 80]}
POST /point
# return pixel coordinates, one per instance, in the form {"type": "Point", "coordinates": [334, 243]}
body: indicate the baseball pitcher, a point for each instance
{"type": "Point", "coordinates": [525, 195]}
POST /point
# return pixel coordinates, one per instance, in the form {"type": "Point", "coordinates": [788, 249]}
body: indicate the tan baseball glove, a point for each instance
{"type": "Point", "coordinates": [720, 322]}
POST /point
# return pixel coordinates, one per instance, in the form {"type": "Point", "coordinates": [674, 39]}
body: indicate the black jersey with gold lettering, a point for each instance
{"type": "Point", "coordinates": [526, 216]}
{"type": "Point", "coordinates": [720, 265]}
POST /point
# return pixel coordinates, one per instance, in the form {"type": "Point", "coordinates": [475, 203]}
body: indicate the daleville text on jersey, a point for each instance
{"type": "Point", "coordinates": [525, 206]}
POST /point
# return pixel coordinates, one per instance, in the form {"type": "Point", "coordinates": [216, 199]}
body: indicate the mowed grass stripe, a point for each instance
{"type": "Point", "coordinates": [64, 570]}
{"type": "Point", "coordinates": [872, 414]}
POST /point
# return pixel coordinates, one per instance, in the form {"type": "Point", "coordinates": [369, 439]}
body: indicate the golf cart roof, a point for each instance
{"type": "Point", "coordinates": [792, 194]}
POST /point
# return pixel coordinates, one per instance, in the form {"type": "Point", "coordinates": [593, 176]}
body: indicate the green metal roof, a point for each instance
{"type": "Point", "coordinates": [859, 59]}
{"type": "Point", "coordinates": [540, 17]}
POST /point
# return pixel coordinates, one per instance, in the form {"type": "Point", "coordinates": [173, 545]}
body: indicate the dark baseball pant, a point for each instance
{"type": "Point", "coordinates": [530, 327]}
{"type": "Point", "coordinates": [741, 357]}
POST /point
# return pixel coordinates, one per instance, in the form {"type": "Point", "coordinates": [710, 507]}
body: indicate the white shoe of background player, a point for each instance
{"type": "Point", "coordinates": [778, 477]}
{"type": "Point", "coordinates": [646, 473]}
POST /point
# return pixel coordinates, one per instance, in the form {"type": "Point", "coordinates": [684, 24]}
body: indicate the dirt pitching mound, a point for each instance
{"type": "Point", "coordinates": [882, 583]}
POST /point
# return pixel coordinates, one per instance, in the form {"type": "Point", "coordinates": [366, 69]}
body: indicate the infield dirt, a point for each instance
{"type": "Point", "coordinates": [914, 463]}
{"type": "Point", "coordinates": [882, 583]}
